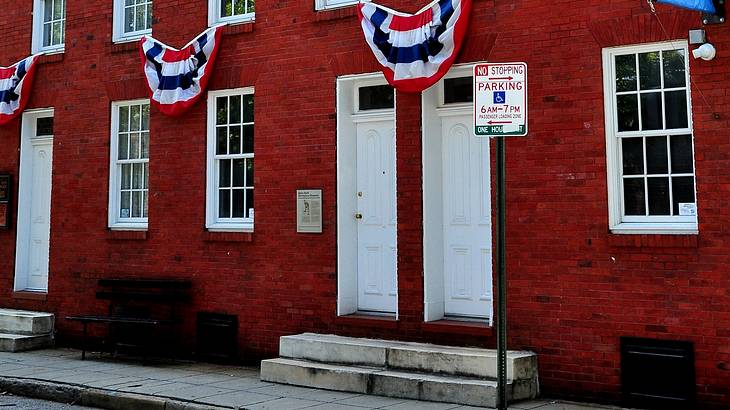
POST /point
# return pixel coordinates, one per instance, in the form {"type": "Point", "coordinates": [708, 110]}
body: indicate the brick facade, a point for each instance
{"type": "Point", "coordinates": [574, 288]}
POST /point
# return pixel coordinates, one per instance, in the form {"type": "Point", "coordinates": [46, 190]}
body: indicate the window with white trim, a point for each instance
{"type": "Point", "coordinates": [331, 4]}
{"type": "Point", "coordinates": [230, 168]}
{"type": "Point", "coordinates": [132, 19]}
{"type": "Point", "coordinates": [231, 11]}
{"type": "Point", "coordinates": [49, 25]}
{"type": "Point", "coordinates": [650, 153]}
{"type": "Point", "coordinates": [129, 165]}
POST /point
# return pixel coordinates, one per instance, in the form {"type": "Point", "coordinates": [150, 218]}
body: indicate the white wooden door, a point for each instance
{"type": "Point", "coordinates": [34, 216]}
{"type": "Point", "coordinates": [376, 214]}
{"type": "Point", "coordinates": [467, 220]}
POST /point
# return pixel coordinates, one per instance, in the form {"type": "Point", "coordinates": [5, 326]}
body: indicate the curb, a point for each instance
{"type": "Point", "coordinates": [95, 397]}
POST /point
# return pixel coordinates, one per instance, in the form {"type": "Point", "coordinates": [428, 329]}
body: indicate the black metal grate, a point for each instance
{"type": "Point", "coordinates": [217, 337]}
{"type": "Point", "coordinates": [657, 374]}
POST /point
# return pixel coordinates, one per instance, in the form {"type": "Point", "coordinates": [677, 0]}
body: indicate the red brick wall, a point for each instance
{"type": "Point", "coordinates": [574, 288]}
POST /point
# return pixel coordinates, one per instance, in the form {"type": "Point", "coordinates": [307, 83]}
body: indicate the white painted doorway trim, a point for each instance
{"type": "Point", "coordinates": [25, 200]}
{"type": "Point", "coordinates": [348, 116]}
{"type": "Point", "coordinates": [433, 111]}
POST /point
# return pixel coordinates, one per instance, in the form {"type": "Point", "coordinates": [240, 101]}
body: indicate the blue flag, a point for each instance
{"type": "Point", "coordinates": [705, 6]}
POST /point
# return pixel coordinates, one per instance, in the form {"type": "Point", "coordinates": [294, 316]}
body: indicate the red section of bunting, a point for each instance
{"type": "Point", "coordinates": [406, 23]}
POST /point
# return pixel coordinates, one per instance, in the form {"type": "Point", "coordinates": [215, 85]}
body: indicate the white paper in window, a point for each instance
{"type": "Point", "coordinates": [688, 209]}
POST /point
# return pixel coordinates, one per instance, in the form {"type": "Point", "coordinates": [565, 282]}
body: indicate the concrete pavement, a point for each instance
{"type": "Point", "coordinates": [100, 381]}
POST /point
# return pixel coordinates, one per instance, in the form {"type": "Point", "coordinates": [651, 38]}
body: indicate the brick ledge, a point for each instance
{"type": "Point", "coordinates": [335, 14]}
{"type": "Point", "coordinates": [25, 295]}
{"type": "Point", "coordinates": [209, 236]}
{"type": "Point", "coordinates": [458, 327]}
{"type": "Point", "coordinates": [653, 241]}
{"type": "Point", "coordinates": [126, 235]}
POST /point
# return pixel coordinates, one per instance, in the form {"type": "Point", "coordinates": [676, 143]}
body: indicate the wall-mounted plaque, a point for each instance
{"type": "Point", "coordinates": [309, 211]}
{"type": "Point", "coordinates": [6, 185]}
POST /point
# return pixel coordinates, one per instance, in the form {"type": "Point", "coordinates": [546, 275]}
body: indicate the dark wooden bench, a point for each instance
{"type": "Point", "coordinates": [136, 307]}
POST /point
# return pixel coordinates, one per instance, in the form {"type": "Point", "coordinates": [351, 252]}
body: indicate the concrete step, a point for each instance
{"type": "Point", "coordinates": [392, 383]}
{"type": "Point", "coordinates": [23, 322]}
{"type": "Point", "coordinates": [20, 343]}
{"type": "Point", "coordinates": [418, 357]}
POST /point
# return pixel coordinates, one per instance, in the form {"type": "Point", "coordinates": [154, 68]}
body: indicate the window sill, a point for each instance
{"type": "Point", "coordinates": [234, 21]}
{"type": "Point", "coordinates": [470, 328]}
{"type": "Point", "coordinates": [366, 320]}
{"type": "Point", "coordinates": [218, 236]}
{"type": "Point", "coordinates": [655, 229]}
{"type": "Point", "coordinates": [29, 295]}
{"type": "Point", "coordinates": [335, 13]}
{"type": "Point", "coordinates": [124, 45]}
{"type": "Point", "coordinates": [119, 234]}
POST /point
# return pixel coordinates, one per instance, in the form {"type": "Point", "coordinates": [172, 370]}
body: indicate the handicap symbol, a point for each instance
{"type": "Point", "coordinates": [500, 97]}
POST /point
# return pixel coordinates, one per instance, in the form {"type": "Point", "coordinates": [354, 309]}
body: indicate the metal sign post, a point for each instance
{"type": "Point", "coordinates": [500, 110]}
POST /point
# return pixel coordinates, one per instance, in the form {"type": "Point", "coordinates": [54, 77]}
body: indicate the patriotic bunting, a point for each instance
{"type": "Point", "coordinates": [416, 50]}
{"type": "Point", "coordinates": [706, 6]}
{"type": "Point", "coordinates": [177, 78]}
{"type": "Point", "coordinates": [15, 84]}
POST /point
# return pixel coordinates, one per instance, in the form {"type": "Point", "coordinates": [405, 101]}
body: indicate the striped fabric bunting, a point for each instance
{"type": "Point", "coordinates": [15, 84]}
{"type": "Point", "coordinates": [706, 6]}
{"type": "Point", "coordinates": [177, 78]}
{"type": "Point", "coordinates": [415, 50]}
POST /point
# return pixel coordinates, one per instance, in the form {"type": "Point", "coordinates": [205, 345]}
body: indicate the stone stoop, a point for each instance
{"type": "Point", "coordinates": [416, 371]}
{"type": "Point", "coordinates": [22, 330]}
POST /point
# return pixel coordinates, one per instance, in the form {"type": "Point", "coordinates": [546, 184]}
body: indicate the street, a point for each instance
{"type": "Point", "coordinates": [16, 402]}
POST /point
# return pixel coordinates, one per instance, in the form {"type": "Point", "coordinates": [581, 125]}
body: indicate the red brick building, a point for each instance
{"type": "Point", "coordinates": [624, 127]}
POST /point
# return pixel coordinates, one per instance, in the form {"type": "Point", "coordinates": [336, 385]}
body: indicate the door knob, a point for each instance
{"type": "Point", "coordinates": [358, 215]}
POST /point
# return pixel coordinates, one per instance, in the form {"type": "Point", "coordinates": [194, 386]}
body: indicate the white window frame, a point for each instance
{"type": "Point", "coordinates": [333, 4]}
{"type": "Point", "coordinates": [212, 222]}
{"type": "Point", "coordinates": [118, 34]}
{"type": "Point", "coordinates": [618, 223]}
{"type": "Point", "coordinates": [115, 222]}
{"type": "Point", "coordinates": [214, 15]}
{"type": "Point", "coordinates": [37, 37]}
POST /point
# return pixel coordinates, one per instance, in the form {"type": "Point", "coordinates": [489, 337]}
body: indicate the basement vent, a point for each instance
{"type": "Point", "coordinates": [217, 337]}
{"type": "Point", "coordinates": [657, 374]}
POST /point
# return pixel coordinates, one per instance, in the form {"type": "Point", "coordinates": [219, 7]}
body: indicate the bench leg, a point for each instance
{"type": "Point", "coordinates": [83, 344]}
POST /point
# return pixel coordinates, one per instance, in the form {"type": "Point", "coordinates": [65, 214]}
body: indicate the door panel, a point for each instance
{"type": "Point", "coordinates": [467, 220]}
{"type": "Point", "coordinates": [376, 265]}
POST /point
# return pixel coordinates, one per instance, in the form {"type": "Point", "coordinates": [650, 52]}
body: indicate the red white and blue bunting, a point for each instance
{"type": "Point", "coordinates": [15, 84]}
{"type": "Point", "coordinates": [415, 50]}
{"type": "Point", "coordinates": [177, 78]}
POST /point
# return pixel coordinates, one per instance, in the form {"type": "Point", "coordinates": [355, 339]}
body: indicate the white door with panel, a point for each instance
{"type": "Point", "coordinates": [34, 205]}
{"type": "Point", "coordinates": [467, 220]}
{"type": "Point", "coordinates": [376, 216]}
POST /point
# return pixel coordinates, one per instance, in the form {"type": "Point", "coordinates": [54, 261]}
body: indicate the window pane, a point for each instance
{"type": "Point", "coordinates": [674, 74]}
{"type": "Point", "coordinates": [47, 10]}
{"type": "Point", "coordinates": [249, 172]}
{"type": "Point", "coordinates": [658, 196]}
{"type": "Point", "coordinates": [676, 109]}
{"type": "Point", "coordinates": [46, 35]}
{"type": "Point", "coordinates": [634, 203]}
{"type": "Point", "coordinates": [123, 146]}
{"type": "Point", "coordinates": [222, 110]}
{"type": "Point", "coordinates": [137, 176]}
{"type": "Point", "coordinates": [251, 6]}
{"type": "Point", "coordinates": [226, 8]}
{"type": "Point", "coordinates": [58, 9]}
{"type": "Point", "coordinates": [234, 114]}
{"type": "Point", "coordinates": [224, 173]}
{"type": "Point", "coordinates": [239, 7]}
{"type": "Point", "coordinates": [628, 112]}
{"type": "Point", "coordinates": [248, 139]}
{"type": "Point", "coordinates": [683, 191]}
{"type": "Point", "coordinates": [235, 139]}
{"type": "Point", "coordinates": [57, 35]}
{"type": "Point", "coordinates": [651, 111]}
{"type": "Point", "coordinates": [249, 203]}
{"type": "Point", "coordinates": [633, 155]}
{"type": "Point", "coordinates": [136, 204]}
{"type": "Point", "coordinates": [134, 146]}
{"type": "Point", "coordinates": [238, 203]}
{"type": "Point", "coordinates": [126, 176]}
{"type": "Point", "coordinates": [649, 72]}
{"type": "Point", "coordinates": [458, 90]}
{"type": "Point", "coordinates": [123, 118]}
{"type": "Point", "coordinates": [238, 171]}
{"type": "Point", "coordinates": [657, 161]}
{"type": "Point", "coordinates": [139, 22]}
{"type": "Point", "coordinates": [135, 112]}
{"type": "Point", "coordinates": [224, 203]}
{"type": "Point", "coordinates": [376, 97]}
{"type": "Point", "coordinates": [146, 175]}
{"type": "Point", "coordinates": [681, 147]}
{"type": "Point", "coordinates": [144, 204]}
{"type": "Point", "coordinates": [145, 117]}
{"type": "Point", "coordinates": [44, 126]}
{"type": "Point", "coordinates": [221, 140]}
{"type": "Point", "coordinates": [145, 139]}
{"type": "Point", "coordinates": [129, 19]}
{"type": "Point", "coordinates": [125, 209]}
{"type": "Point", "coordinates": [626, 73]}
{"type": "Point", "coordinates": [148, 21]}
{"type": "Point", "coordinates": [248, 108]}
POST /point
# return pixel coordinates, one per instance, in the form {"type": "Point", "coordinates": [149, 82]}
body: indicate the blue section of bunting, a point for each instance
{"type": "Point", "coordinates": [706, 6]}
{"type": "Point", "coordinates": [185, 80]}
{"type": "Point", "coordinates": [417, 52]}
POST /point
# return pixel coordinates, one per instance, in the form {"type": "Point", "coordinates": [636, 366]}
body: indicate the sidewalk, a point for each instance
{"type": "Point", "coordinates": [61, 375]}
